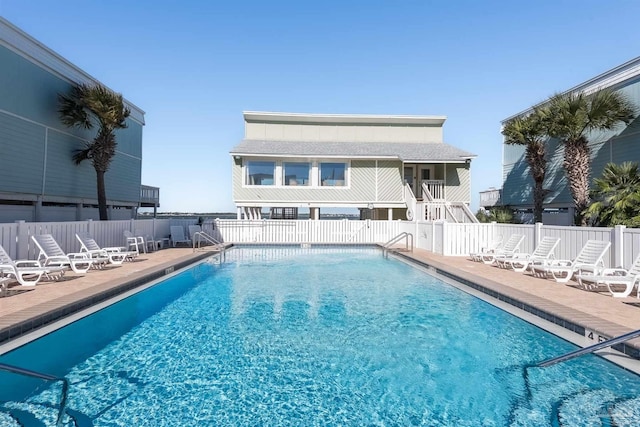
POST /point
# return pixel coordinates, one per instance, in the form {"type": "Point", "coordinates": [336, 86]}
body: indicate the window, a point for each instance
{"type": "Point", "coordinates": [333, 174]}
{"type": "Point", "coordinates": [295, 173]}
{"type": "Point", "coordinates": [260, 173]}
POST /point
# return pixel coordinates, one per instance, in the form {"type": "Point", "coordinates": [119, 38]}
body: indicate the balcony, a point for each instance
{"type": "Point", "coordinates": [149, 196]}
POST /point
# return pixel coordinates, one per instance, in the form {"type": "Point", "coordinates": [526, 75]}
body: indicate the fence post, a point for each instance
{"type": "Point", "coordinates": [22, 240]}
{"type": "Point", "coordinates": [445, 247]}
{"type": "Point", "coordinates": [537, 234]}
{"type": "Point", "coordinates": [618, 246]}
{"type": "Point", "coordinates": [433, 236]}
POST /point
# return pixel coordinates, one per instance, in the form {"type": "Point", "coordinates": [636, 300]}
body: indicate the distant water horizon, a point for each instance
{"type": "Point", "coordinates": [232, 215]}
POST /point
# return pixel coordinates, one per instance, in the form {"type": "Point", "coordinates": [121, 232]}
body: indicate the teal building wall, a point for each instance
{"type": "Point", "coordinates": [36, 149]}
{"type": "Point", "coordinates": [617, 146]}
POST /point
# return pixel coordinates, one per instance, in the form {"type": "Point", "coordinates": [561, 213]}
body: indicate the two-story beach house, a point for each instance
{"type": "Point", "coordinates": [388, 167]}
{"type": "Point", "coordinates": [38, 178]}
{"type": "Point", "coordinates": [616, 146]}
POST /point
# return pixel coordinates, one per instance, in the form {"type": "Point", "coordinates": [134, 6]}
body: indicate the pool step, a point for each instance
{"type": "Point", "coordinates": [22, 414]}
{"type": "Point", "coordinates": [600, 406]}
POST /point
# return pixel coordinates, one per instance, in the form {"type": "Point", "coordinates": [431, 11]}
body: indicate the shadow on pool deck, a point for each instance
{"type": "Point", "coordinates": [565, 305]}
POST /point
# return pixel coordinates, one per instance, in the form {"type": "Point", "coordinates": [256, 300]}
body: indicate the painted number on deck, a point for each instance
{"type": "Point", "coordinates": [594, 336]}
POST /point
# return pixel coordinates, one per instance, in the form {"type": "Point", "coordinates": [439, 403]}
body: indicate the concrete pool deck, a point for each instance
{"type": "Point", "coordinates": [570, 307]}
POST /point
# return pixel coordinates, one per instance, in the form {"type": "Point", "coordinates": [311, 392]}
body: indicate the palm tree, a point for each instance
{"type": "Point", "coordinates": [530, 131]}
{"type": "Point", "coordinates": [617, 196]}
{"type": "Point", "coordinates": [571, 118]}
{"type": "Point", "coordinates": [84, 107]}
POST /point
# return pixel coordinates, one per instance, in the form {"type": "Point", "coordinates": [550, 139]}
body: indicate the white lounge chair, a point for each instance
{"type": "Point", "coordinates": [491, 248]}
{"type": "Point", "coordinates": [193, 229]}
{"type": "Point", "coordinates": [520, 261]}
{"type": "Point", "coordinates": [150, 243]}
{"type": "Point", "coordinates": [134, 243]}
{"type": "Point", "coordinates": [590, 259]}
{"type": "Point", "coordinates": [614, 278]}
{"type": "Point", "coordinates": [511, 246]}
{"type": "Point", "coordinates": [177, 236]}
{"type": "Point", "coordinates": [4, 281]}
{"type": "Point", "coordinates": [115, 255]}
{"type": "Point", "coordinates": [52, 255]}
{"type": "Point", "coordinates": [26, 272]}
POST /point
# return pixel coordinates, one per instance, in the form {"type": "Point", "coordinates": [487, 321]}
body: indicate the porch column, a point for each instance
{"type": "Point", "coordinates": [314, 213]}
{"type": "Point", "coordinates": [238, 213]}
{"type": "Point", "coordinates": [390, 214]}
{"type": "Point", "coordinates": [38, 209]}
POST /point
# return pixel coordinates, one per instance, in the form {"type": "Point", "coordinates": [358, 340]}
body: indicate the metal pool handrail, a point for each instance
{"type": "Point", "coordinates": [47, 377]}
{"type": "Point", "coordinates": [408, 243]}
{"type": "Point", "coordinates": [590, 349]}
{"type": "Point", "coordinates": [199, 236]}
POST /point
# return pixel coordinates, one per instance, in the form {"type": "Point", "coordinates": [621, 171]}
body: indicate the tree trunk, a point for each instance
{"type": "Point", "coordinates": [102, 196]}
{"type": "Point", "coordinates": [538, 167]}
{"type": "Point", "coordinates": [577, 166]}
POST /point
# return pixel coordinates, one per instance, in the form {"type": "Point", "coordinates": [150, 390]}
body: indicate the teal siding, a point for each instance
{"type": "Point", "coordinates": [28, 90]}
{"type": "Point", "coordinates": [21, 155]}
{"type": "Point", "coordinates": [30, 127]}
{"type": "Point", "coordinates": [124, 171]}
{"type": "Point", "coordinates": [63, 176]}
{"type": "Point", "coordinates": [616, 145]}
{"type": "Point", "coordinates": [517, 187]}
{"type": "Point", "coordinates": [129, 140]}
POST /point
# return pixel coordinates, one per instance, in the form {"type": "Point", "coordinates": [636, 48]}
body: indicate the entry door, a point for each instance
{"type": "Point", "coordinates": [409, 177]}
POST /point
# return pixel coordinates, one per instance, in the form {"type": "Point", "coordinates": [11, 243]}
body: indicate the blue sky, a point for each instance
{"type": "Point", "coordinates": [194, 66]}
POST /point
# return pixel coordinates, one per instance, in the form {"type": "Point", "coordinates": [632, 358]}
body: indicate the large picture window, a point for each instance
{"type": "Point", "coordinates": [295, 173]}
{"type": "Point", "coordinates": [260, 173]}
{"type": "Point", "coordinates": [333, 174]}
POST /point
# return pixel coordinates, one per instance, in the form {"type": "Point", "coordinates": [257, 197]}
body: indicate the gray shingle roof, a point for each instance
{"type": "Point", "coordinates": [408, 152]}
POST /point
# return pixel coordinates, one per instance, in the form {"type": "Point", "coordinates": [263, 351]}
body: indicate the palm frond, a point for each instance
{"type": "Point", "coordinates": [81, 155]}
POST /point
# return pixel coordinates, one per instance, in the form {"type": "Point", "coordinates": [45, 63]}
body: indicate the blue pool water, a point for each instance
{"type": "Point", "coordinates": [304, 337]}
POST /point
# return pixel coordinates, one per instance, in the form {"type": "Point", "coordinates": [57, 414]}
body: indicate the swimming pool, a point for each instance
{"type": "Point", "coordinates": [292, 336]}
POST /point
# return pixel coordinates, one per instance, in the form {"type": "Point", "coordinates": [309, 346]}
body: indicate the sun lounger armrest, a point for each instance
{"type": "Point", "coordinates": [56, 259]}
{"type": "Point", "coordinates": [77, 255]}
{"type": "Point", "coordinates": [614, 272]}
{"type": "Point", "coordinates": [559, 263]}
{"type": "Point", "coordinates": [27, 263]}
{"type": "Point", "coordinates": [115, 249]}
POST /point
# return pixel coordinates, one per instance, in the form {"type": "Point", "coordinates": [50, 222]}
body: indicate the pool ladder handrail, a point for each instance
{"type": "Point", "coordinates": [46, 377]}
{"type": "Point", "coordinates": [408, 243]}
{"type": "Point", "coordinates": [589, 349]}
{"type": "Point", "coordinates": [200, 236]}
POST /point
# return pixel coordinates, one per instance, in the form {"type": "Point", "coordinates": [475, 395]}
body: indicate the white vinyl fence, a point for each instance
{"type": "Point", "coordinates": [306, 231]}
{"type": "Point", "coordinates": [449, 239]}
{"type": "Point", "coordinates": [15, 237]}
{"type": "Point", "coordinates": [453, 239]}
